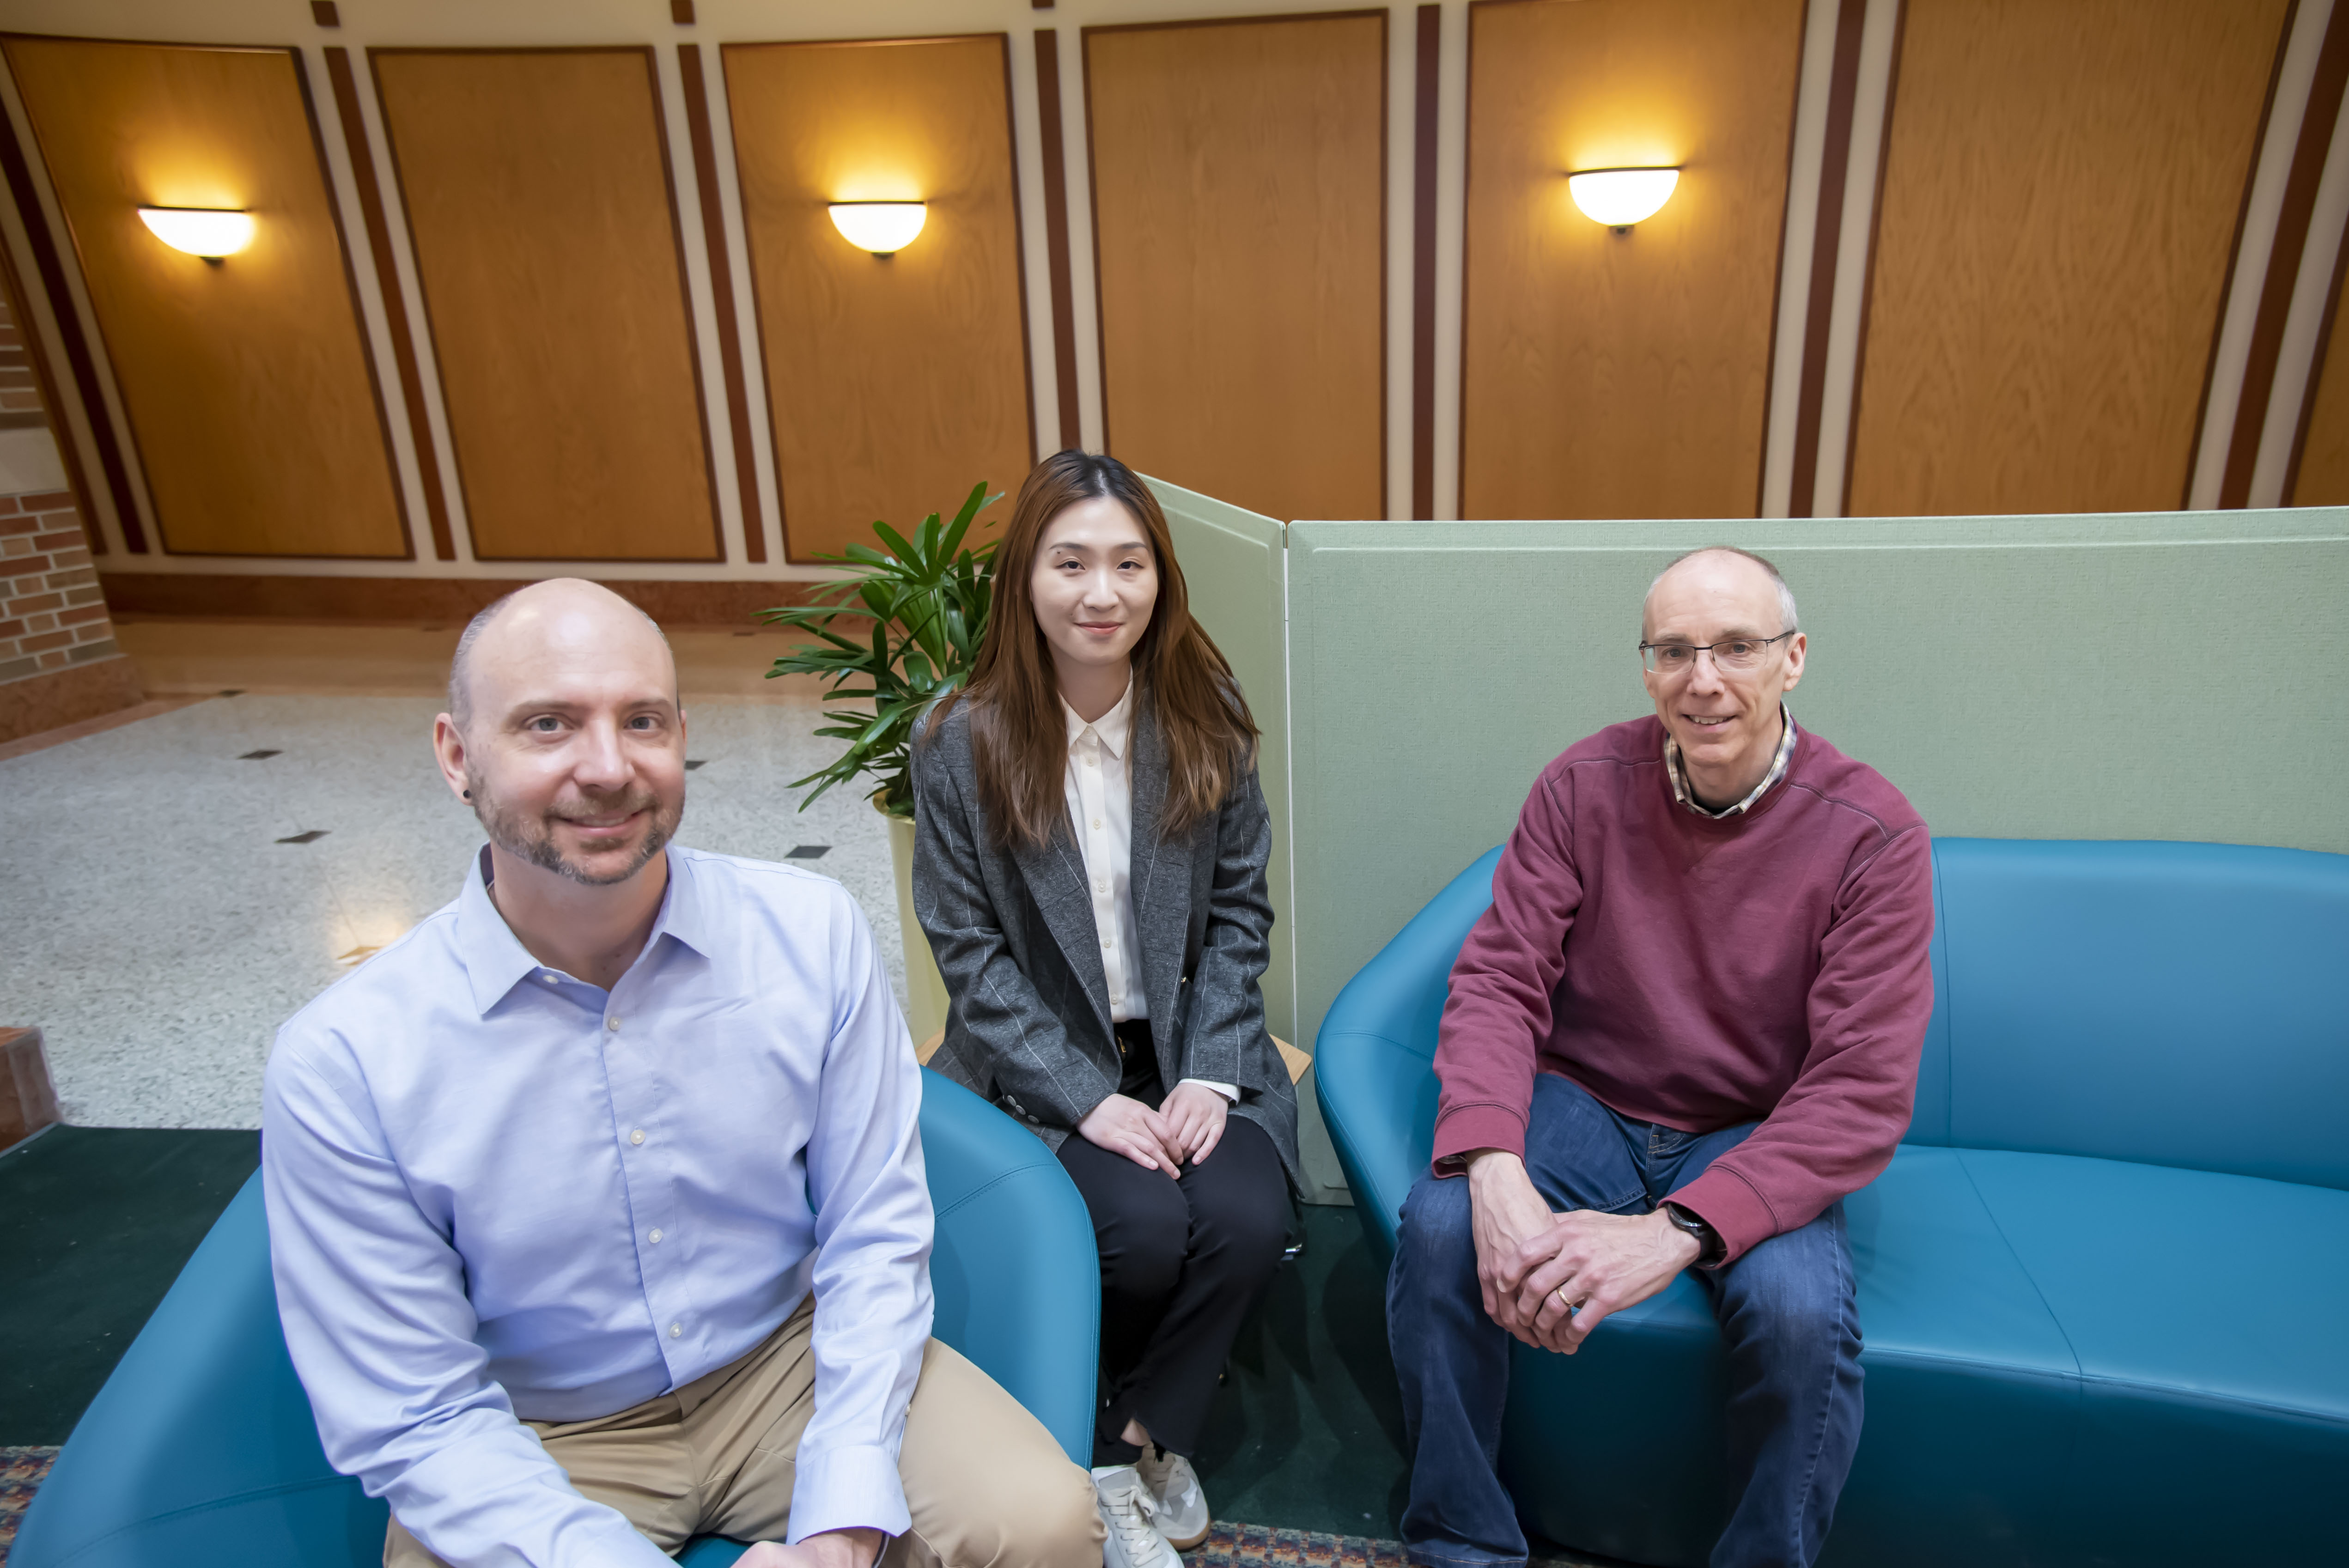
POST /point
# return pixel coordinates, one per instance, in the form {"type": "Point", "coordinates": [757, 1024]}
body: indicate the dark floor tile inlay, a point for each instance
{"type": "Point", "coordinates": [258, 756]}
{"type": "Point", "coordinates": [232, 691]}
{"type": "Point", "coordinates": [693, 762]}
{"type": "Point", "coordinates": [312, 837]}
{"type": "Point", "coordinates": [809, 853]}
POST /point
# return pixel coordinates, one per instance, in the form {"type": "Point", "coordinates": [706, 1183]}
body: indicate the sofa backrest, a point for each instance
{"type": "Point", "coordinates": [2171, 1003]}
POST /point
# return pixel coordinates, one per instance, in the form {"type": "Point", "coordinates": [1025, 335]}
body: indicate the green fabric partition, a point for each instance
{"type": "Point", "coordinates": [2141, 676]}
{"type": "Point", "coordinates": [1232, 565]}
{"type": "Point", "coordinates": [1235, 564]}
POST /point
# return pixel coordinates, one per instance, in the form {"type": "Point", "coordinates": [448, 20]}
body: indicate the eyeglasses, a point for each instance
{"type": "Point", "coordinates": [1735, 654]}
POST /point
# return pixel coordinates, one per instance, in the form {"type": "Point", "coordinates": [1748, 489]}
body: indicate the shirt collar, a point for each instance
{"type": "Point", "coordinates": [1115, 727]}
{"type": "Point", "coordinates": [1778, 763]}
{"type": "Point", "coordinates": [495, 960]}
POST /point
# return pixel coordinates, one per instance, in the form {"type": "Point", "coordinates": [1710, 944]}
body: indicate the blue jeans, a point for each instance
{"type": "Point", "coordinates": [1785, 1309]}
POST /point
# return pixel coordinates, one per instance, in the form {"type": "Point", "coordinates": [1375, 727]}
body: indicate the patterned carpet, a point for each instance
{"type": "Point", "coordinates": [1231, 1545]}
{"type": "Point", "coordinates": [1247, 1545]}
{"type": "Point", "coordinates": [1228, 1546]}
{"type": "Point", "coordinates": [21, 1470]}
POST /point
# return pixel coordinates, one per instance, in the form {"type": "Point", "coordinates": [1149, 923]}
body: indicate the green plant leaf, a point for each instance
{"type": "Point", "coordinates": [926, 602]}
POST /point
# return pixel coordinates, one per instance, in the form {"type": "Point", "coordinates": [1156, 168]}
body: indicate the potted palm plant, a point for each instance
{"type": "Point", "coordinates": [919, 608]}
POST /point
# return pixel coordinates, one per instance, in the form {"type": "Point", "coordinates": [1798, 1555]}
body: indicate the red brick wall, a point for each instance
{"type": "Point", "coordinates": [52, 612]}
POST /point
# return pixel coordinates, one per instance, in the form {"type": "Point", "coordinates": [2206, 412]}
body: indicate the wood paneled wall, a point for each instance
{"type": "Point", "coordinates": [2047, 255]}
{"type": "Point", "coordinates": [894, 384]}
{"type": "Point", "coordinates": [538, 191]}
{"type": "Point", "coordinates": [1238, 187]}
{"type": "Point", "coordinates": [1622, 375]}
{"type": "Point", "coordinates": [2061, 190]}
{"type": "Point", "coordinates": [2322, 475]}
{"type": "Point", "coordinates": [248, 387]}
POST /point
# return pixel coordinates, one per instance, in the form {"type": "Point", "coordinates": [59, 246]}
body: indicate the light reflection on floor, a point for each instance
{"type": "Point", "coordinates": [156, 925]}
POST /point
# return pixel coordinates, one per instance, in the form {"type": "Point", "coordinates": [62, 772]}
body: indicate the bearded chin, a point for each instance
{"type": "Point", "coordinates": [529, 838]}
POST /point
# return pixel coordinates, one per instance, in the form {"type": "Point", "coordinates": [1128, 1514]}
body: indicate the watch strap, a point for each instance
{"type": "Point", "coordinates": [1710, 1248]}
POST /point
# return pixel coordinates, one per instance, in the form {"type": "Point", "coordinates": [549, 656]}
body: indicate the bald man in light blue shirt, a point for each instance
{"type": "Point", "coordinates": [596, 1203]}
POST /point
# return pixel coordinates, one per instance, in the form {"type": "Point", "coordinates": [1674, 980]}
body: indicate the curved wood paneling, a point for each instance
{"type": "Point", "coordinates": [537, 190]}
{"type": "Point", "coordinates": [2321, 475]}
{"type": "Point", "coordinates": [2052, 250]}
{"type": "Point", "coordinates": [248, 387]}
{"type": "Point", "coordinates": [1623, 375]}
{"type": "Point", "coordinates": [1239, 213]}
{"type": "Point", "coordinates": [894, 384]}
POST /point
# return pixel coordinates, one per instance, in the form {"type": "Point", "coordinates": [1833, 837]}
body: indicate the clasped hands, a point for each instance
{"type": "Point", "coordinates": [1187, 1125]}
{"type": "Point", "coordinates": [1533, 1263]}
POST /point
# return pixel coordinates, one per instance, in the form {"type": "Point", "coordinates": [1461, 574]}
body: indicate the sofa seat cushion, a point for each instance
{"type": "Point", "coordinates": [2186, 1284]}
{"type": "Point", "coordinates": [2206, 1313]}
{"type": "Point", "coordinates": [2058, 1351]}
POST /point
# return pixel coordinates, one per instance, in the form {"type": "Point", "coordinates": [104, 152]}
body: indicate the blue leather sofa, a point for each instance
{"type": "Point", "coordinates": [2104, 1283]}
{"type": "Point", "coordinates": [199, 1451]}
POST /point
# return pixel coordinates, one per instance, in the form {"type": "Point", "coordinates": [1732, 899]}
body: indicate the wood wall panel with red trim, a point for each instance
{"type": "Point", "coordinates": [250, 397]}
{"type": "Point", "coordinates": [538, 193]}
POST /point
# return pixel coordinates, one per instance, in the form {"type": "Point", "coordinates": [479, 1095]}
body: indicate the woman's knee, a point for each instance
{"type": "Point", "coordinates": [1143, 1264]}
{"type": "Point", "coordinates": [1248, 1226]}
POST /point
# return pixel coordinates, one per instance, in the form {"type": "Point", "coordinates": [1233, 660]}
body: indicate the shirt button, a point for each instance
{"type": "Point", "coordinates": [1107, 943]}
{"type": "Point", "coordinates": [612, 1025]}
{"type": "Point", "coordinates": [1091, 761]}
{"type": "Point", "coordinates": [637, 1135]}
{"type": "Point", "coordinates": [548, 978]}
{"type": "Point", "coordinates": [656, 1236]}
{"type": "Point", "coordinates": [1096, 821]}
{"type": "Point", "coordinates": [675, 1330]}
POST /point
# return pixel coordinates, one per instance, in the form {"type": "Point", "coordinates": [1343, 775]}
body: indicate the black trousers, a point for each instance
{"type": "Point", "coordinates": [1181, 1264]}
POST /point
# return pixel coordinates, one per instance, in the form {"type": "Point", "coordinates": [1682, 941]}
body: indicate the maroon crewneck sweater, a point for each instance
{"type": "Point", "coordinates": [1699, 974]}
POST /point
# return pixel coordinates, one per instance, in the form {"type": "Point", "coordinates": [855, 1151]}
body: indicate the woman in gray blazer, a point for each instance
{"type": "Point", "coordinates": [1089, 864]}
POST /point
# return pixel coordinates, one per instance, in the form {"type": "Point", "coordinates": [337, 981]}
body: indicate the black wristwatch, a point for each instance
{"type": "Point", "coordinates": [1710, 1248]}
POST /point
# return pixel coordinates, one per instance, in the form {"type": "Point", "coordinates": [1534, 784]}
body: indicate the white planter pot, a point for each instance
{"type": "Point", "coordinates": [926, 992]}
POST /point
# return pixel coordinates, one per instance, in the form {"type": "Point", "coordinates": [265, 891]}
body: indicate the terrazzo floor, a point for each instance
{"type": "Point", "coordinates": [179, 886]}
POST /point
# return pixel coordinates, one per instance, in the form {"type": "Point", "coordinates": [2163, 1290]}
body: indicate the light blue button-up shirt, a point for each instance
{"type": "Point", "coordinates": [497, 1192]}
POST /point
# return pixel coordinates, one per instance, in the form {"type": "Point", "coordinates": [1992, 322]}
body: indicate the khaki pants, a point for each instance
{"type": "Point", "coordinates": [984, 1482]}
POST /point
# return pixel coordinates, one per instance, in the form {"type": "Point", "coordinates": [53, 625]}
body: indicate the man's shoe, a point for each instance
{"type": "Point", "coordinates": [1174, 1486]}
{"type": "Point", "coordinates": [1130, 1512]}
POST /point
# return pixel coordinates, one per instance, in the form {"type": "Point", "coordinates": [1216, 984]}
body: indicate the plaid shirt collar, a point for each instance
{"type": "Point", "coordinates": [1682, 792]}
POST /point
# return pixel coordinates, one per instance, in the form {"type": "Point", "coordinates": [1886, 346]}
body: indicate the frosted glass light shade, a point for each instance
{"type": "Point", "coordinates": [1619, 198]}
{"type": "Point", "coordinates": [211, 232]}
{"type": "Point", "coordinates": [883, 228]}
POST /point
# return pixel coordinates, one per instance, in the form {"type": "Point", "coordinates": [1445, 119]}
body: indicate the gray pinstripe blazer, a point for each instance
{"type": "Point", "coordinates": [1028, 1023]}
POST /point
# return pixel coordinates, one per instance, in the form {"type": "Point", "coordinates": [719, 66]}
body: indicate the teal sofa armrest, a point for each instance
{"type": "Point", "coordinates": [201, 1451]}
{"type": "Point", "coordinates": [1375, 1059]}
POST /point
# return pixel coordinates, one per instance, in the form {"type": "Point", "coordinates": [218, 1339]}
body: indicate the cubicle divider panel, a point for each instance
{"type": "Point", "coordinates": [2144, 676]}
{"type": "Point", "coordinates": [1234, 571]}
{"type": "Point", "coordinates": [1235, 563]}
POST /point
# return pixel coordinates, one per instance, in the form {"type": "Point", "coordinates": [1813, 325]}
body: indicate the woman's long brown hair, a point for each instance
{"type": "Point", "coordinates": [1019, 740]}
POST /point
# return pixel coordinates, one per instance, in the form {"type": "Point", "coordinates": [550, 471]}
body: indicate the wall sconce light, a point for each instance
{"type": "Point", "coordinates": [883, 228]}
{"type": "Point", "coordinates": [211, 232]}
{"type": "Point", "coordinates": [1619, 198]}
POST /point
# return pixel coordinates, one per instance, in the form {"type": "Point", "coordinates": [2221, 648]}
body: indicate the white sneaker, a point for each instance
{"type": "Point", "coordinates": [1131, 1514]}
{"type": "Point", "coordinates": [1174, 1486]}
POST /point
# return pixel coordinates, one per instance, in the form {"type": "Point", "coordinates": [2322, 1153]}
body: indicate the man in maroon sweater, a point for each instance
{"type": "Point", "coordinates": [1687, 1027]}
